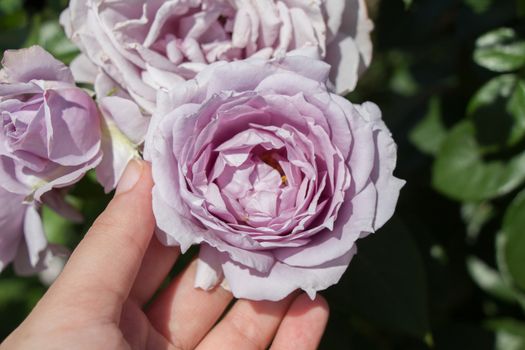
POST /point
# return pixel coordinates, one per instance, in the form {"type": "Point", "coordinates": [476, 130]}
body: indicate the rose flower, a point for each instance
{"type": "Point", "coordinates": [275, 177]}
{"type": "Point", "coordinates": [147, 45]}
{"type": "Point", "coordinates": [50, 138]}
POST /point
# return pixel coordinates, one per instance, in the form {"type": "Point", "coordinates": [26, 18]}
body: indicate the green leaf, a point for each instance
{"type": "Point", "coordinates": [501, 86]}
{"type": "Point", "coordinates": [12, 289]}
{"type": "Point", "coordinates": [514, 247]}
{"type": "Point", "coordinates": [17, 297]}
{"type": "Point", "coordinates": [58, 229]}
{"type": "Point", "coordinates": [501, 244]}
{"type": "Point", "coordinates": [9, 7]}
{"type": "Point", "coordinates": [14, 21]}
{"type": "Point", "coordinates": [475, 216]}
{"type": "Point", "coordinates": [19, 290]}
{"type": "Point", "coordinates": [478, 6]}
{"type": "Point", "coordinates": [408, 3]}
{"type": "Point", "coordinates": [510, 333]}
{"type": "Point", "coordinates": [402, 81]}
{"type": "Point", "coordinates": [516, 105]}
{"type": "Point", "coordinates": [430, 132]}
{"type": "Point", "coordinates": [489, 280]}
{"type": "Point", "coordinates": [385, 283]}
{"type": "Point", "coordinates": [51, 37]}
{"type": "Point", "coordinates": [461, 172]}
{"type": "Point", "coordinates": [500, 50]}
{"type": "Point", "coordinates": [498, 109]}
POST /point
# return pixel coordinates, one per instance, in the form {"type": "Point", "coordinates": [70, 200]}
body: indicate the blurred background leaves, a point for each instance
{"type": "Point", "coordinates": [448, 271]}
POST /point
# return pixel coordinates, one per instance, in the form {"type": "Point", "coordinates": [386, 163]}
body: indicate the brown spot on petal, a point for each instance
{"type": "Point", "coordinates": [268, 158]}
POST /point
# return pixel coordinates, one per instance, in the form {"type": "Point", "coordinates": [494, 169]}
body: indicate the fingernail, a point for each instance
{"type": "Point", "coordinates": [130, 177]}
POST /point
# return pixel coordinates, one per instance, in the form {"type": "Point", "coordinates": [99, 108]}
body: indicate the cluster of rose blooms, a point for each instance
{"type": "Point", "coordinates": [255, 156]}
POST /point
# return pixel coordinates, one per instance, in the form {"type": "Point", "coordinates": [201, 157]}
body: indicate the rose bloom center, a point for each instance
{"type": "Point", "coordinates": [257, 190]}
{"type": "Point", "coordinates": [264, 180]}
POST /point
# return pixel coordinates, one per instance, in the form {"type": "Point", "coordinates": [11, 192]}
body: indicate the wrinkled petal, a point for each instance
{"type": "Point", "coordinates": [188, 233]}
{"type": "Point", "coordinates": [209, 270]}
{"type": "Point", "coordinates": [65, 177]}
{"type": "Point", "coordinates": [56, 201]}
{"type": "Point", "coordinates": [350, 50]}
{"type": "Point", "coordinates": [11, 226]}
{"type": "Point", "coordinates": [382, 175]}
{"type": "Point", "coordinates": [55, 265]}
{"type": "Point", "coordinates": [117, 152]}
{"type": "Point", "coordinates": [123, 131]}
{"type": "Point", "coordinates": [345, 70]}
{"type": "Point", "coordinates": [33, 63]}
{"type": "Point", "coordinates": [282, 280]}
{"type": "Point", "coordinates": [353, 220]}
{"type": "Point", "coordinates": [69, 114]}
{"type": "Point", "coordinates": [84, 71]}
{"type": "Point", "coordinates": [127, 117]}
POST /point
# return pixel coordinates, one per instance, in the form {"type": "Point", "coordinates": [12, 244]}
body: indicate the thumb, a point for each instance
{"type": "Point", "coordinates": [108, 258]}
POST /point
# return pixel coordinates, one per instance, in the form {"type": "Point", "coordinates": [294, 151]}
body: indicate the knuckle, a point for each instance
{"type": "Point", "coordinates": [245, 328]}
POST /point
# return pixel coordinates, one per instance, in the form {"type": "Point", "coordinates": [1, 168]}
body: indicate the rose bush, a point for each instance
{"type": "Point", "coordinates": [147, 45]}
{"type": "Point", "coordinates": [275, 177]}
{"type": "Point", "coordinates": [50, 138]}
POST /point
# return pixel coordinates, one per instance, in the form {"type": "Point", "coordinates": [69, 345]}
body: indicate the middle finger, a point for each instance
{"type": "Point", "coordinates": [183, 313]}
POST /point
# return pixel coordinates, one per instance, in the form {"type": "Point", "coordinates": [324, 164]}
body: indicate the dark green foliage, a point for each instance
{"type": "Point", "coordinates": [513, 233]}
{"type": "Point", "coordinates": [386, 284]}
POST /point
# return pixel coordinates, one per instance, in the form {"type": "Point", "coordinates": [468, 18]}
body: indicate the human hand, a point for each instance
{"type": "Point", "coordinates": [98, 300]}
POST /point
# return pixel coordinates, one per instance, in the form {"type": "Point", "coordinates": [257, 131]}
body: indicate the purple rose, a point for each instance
{"type": "Point", "coordinates": [22, 238]}
{"type": "Point", "coordinates": [50, 133]}
{"type": "Point", "coordinates": [147, 45]}
{"type": "Point", "coordinates": [50, 138]}
{"type": "Point", "coordinates": [275, 177]}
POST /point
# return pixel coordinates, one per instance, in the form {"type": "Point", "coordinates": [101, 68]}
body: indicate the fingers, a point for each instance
{"type": "Point", "coordinates": [156, 265]}
{"type": "Point", "coordinates": [248, 325]}
{"type": "Point", "coordinates": [107, 260]}
{"type": "Point", "coordinates": [138, 332]}
{"type": "Point", "coordinates": [184, 314]}
{"type": "Point", "coordinates": [303, 326]}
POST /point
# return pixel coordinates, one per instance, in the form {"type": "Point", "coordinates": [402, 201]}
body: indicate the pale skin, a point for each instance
{"type": "Point", "coordinates": [98, 300]}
